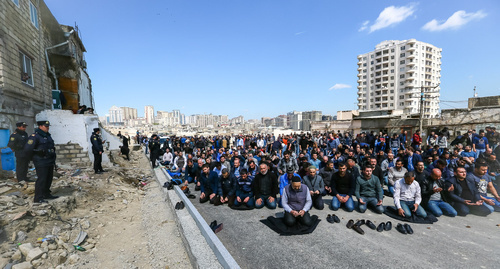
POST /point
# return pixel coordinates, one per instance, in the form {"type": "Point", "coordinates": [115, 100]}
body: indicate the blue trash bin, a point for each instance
{"type": "Point", "coordinates": [8, 159]}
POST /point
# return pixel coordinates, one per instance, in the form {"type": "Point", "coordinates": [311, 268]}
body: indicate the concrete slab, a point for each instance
{"type": "Point", "coordinates": [449, 243]}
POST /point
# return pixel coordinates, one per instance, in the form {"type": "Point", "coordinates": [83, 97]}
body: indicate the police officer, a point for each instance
{"type": "Point", "coordinates": [41, 149]}
{"type": "Point", "coordinates": [16, 142]}
{"type": "Point", "coordinates": [154, 149]}
{"type": "Point", "coordinates": [97, 150]}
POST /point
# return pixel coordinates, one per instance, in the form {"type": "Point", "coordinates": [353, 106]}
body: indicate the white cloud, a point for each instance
{"type": "Point", "coordinates": [299, 33]}
{"type": "Point", "coordinates": [390, 16]}
{"type": "Point", "coordinates": [455, 21]}
{"type": "Point", "coordinates": [364, 26]}
{"type": "Point", "coordinates": [339, 86]}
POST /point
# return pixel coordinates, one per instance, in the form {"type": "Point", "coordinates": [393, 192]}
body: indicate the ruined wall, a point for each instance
{"type": "Point", "coordinates": [20, 101]}
{"type": "Point", "coordinates": [72, 153]}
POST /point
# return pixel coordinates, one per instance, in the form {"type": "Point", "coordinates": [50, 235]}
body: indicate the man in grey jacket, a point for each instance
{"type": "Point", "coordinates": [316, 187]}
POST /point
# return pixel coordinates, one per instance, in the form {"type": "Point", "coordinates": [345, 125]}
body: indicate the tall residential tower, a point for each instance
{"type": "Point", "coordinates": [392, 76]}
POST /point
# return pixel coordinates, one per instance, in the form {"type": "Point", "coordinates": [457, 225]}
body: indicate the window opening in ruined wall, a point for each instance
{"type": "Point", "coordinates": [26, 69]}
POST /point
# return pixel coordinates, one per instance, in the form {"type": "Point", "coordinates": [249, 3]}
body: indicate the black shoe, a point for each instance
{"type": "Point", "coordinates": [329, 218]}
{"type": "Point", "coordinates": [181, 205]}
{"type": "Point", "coordinates": [51, 196]}
{"type": "Point", "coordinates": [408, 229]}
{"type": "Point", "coordinates": [41, 201]}
{"type": "Point", "coordinates": [381, 227]}
{"type": "Point", "coordinates": [178, 205]}
{"type": "Point", "coordinates": [370, 225]}
{"type": "Point", "coordinates": [401, 228]}
{"type": "Point", "coordinates": [218, 228]}
{"type": "Point", "coordinates": [388, 226]}
{"type": "Point", "coordinates": [213, 224]}
{"type": "Point", "coordinates": [98, 172]}
{"type": "Point", "coordinates": [358, 229]}
{"type": "Point", "coordinates": [103, 171]}
{"type": "Point", "coordinates": [191, 196]}
{"type": "Point", "coordinates": [335, 218]}
{"type": "Point", "coordinates": [349, 224]}
{"type": "Point", "coordinates": [197, 188]}
{"type": "Point", "coordinates": [360, 222]}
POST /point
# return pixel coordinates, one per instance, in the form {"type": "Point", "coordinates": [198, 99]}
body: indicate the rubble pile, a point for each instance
{"type": "Point", "coordinates": [60, 234]}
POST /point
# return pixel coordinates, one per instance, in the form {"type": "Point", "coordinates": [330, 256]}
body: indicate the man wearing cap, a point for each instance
{"type": "Point", "coordinates": [97, 150]}
{"type": "Point", "coordinates": [41, 149]}
{"type": "Point", "coordinates": [296, 201]}
{"type": "Point", "coordinates": [16, 142]}
{"type": "Point", "coordinates": [285, 180]}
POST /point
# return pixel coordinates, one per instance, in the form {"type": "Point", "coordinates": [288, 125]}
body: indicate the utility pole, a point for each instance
{"type": "Point", "coordinates": [422, 99]}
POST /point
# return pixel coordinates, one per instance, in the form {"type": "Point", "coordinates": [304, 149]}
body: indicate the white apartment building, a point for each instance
{"type": "Point", "coordinates": [115, 115]}
{"type": "Point", "coordinates": [149, 114]}
{"type": "Point", "coordinates": [391, 78]}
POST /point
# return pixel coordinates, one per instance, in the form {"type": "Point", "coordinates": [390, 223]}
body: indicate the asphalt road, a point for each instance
{"type": "Point", "coordinates": [448, 243]}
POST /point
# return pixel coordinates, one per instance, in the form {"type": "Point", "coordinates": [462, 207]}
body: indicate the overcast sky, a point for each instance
{"type": "Point", "coordinates": [264, 58]}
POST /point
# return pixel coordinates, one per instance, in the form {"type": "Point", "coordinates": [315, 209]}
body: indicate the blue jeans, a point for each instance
{"type": "Point", "coordinates": [438, 208]}
{"type": "Point", "coordinates": [407, 206]}
{"type": "Point", "coordinates": [242, 196]}
{"type": "Point", "coordinates": [349, 205]}
{"type": "Point", "coordinates": [372, 202]}
{"type": "Point", "coordinates": [479, 151]}
{"type": "Point", "coordinates": [391, 189]}
{"type": "Point", "coordinates": [492, 207]}
{"type": "Point", "coordinates": [265, 201]}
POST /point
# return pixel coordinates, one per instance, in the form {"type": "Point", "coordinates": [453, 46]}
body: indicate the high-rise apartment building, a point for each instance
{"type": "Point", "coordinates": [115, 115]}
{"type": "Point", "coordinates": [149, 114]}
{"type": "Point", "coordinates": [392, 76]}
{"type": "Point", "coordinates": [129, 113]}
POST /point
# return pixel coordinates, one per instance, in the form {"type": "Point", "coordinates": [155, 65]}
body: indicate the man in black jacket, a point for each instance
{"type": "Point", "coordinates": [433, 188]}
{"type": "Point", "coordinates": [464, 196]}
{"type": "Point", "coordinates": [342, 188]}
{"type": "Point", "coordinates": [16, 142]}
{"type": "Point", "coordinates": [97, 150]}
{"type": "Point", "coordinates": [227, 183]}
{"type": "Point", "coordinates": [154, 149]}
{"type": "Point", "coordinates": [265, 188]}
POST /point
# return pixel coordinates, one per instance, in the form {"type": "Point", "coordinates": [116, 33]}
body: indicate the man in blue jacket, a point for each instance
{"type": "Point", "coordinates": [209, 186]}
{"type": "Point", "coordinates": [464, 195]}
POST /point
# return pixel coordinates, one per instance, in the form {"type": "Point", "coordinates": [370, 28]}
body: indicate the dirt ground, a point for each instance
{"type": "Point", "coordinates": [122, 211]}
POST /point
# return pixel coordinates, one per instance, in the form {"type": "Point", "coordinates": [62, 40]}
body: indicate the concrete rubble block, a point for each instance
{"type": "Point", "coordinates": [34, 254]}
{"type": "Point", "coordinates": [36, 263]}
{"type": "Point", "coordinates": [63, 256]}
{"type": "Point", "coordinates": [16, 257]}
{"type": "Point", "coordinates": [73, 259]}
{"type": "Point", "coordinates": [52, 246]}
{"type": "Point", "coordinates": [25, 248]}
{"type": "Point", "coordinates": [4, 262]}
{"type": "Point", "coordinates": [24, 265]}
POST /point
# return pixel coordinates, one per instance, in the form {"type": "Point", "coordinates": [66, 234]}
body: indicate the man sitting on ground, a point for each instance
{"type": "Point", "coordinates": [285, 180]}
{"type": "Point", "coordinates": [244, 193]}
{"type": "Point", "coordinates": [369, 191]}
{"type": "Point", "coordinates": [227, 183]}
{"type": "Point", "coordinates": [316, 187]}
{"type": "Point", "coordinates": [297, 202]}
{"type": "Point", "coordinates": [209, 185]}
{"type": "Point", "coordinates": [465, 197]}
{"type": "Point", "coordinates": [395, 173]}
{"type": "Point", "coordinates": [432, 199]}
{"type": "Point", "coordinates": [265, 188]}
{"type": "Point", "coordinates": [407, 196]}
{"type": "Point", "coordinates": [342, 188]}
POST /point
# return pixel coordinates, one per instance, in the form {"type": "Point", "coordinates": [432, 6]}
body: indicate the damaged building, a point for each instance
{"type": "Point", "coordinates": [42, 65]}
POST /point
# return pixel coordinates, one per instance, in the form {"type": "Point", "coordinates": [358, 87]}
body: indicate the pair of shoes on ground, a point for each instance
{"type": "Point", "coordinates": [404, 228]}
{"type": "Point", "coordinates": [332, 218]}
{"type": "Point", "coordinates": [357, 226]}
{"type": "Point", "coordinates": [384, 226]}
{"type": "Point", "coordinates": [191, 196]}
{"type": "Point", "coordinates": [216, 227]}
{"type": "Point", "coordinates": [179, 205]}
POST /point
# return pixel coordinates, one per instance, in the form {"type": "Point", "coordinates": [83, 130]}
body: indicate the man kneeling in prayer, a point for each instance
{"type": "Point", "coordinates": [296, 201]}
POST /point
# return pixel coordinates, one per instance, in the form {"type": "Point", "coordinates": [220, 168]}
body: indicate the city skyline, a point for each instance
{"type": "Point", "coordinates": [262, 58]}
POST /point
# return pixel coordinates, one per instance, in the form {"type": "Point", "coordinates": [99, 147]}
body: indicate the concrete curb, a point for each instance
{"type": "Point", "coordinates": [220, 251]}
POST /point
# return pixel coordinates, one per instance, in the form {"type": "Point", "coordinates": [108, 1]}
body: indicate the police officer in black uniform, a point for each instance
{"type": "Point", "coordinates": [154, 149]}
{"type": "Point", "coordinates": [16, 142]}
{"type": "Point", "coordinates": [41, 149]}
{"type": "Point", "coordinates": [97, 150]}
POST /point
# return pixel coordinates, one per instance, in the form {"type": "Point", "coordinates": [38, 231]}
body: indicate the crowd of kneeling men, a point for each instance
{"type": "Point", "coordinates": [439, 186]}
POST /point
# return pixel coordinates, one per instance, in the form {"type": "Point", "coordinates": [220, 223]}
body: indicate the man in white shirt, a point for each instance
{"type": "Point", "coordinates": [167, 157]}
{"type": "Point", "coordinates": [407, 196]}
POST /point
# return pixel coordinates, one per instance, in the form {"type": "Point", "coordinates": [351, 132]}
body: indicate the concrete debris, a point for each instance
{"type": "Point", "coordinates": [34, 254]}
{"type": "Point", "coordinates": [24, 265]}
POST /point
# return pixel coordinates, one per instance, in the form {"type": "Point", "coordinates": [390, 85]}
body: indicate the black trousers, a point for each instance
{"type": "Point", "coordinates": [44, 181]}
{"type": "Point", "coordinates": [22, 168]}
{"type": "Point", "coordinates": [153, 158]}
{"type": "Point", "coordinates": [290, 220]}
{"type": "Point", "coordinates": [97, 162]}
{"type": "Point", "coordinates": [317, 200]}
{"type": "Point", "coordinates": [214, 201]}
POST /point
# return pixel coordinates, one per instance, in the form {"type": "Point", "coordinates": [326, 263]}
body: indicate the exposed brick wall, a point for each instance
{"type": "Point", "coordinates": [72, 153]}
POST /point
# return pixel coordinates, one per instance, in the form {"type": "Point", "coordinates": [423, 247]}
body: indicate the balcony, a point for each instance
{"type": "Point", "coordinates": [411, 55]}
{"type": "Point", "coordinates": [360, 74]}
{"type": "Point", "coordinates": [360, 68]}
